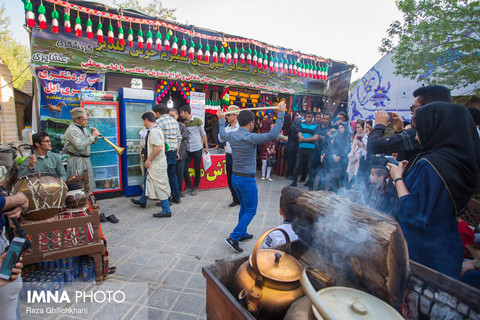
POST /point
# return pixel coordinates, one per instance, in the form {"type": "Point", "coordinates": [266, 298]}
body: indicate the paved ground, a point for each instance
{"type": "Point", "coordinates": [159, 261]}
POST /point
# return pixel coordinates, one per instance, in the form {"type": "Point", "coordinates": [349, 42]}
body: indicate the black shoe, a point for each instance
{"type": "Point", "coordinates": [141, 204]}
{"type": "Point", "coordinates": [177, 201]}
{"type": "Point", "coordinates": [194, 191]}
{"type": "Point", "coordinates": [182, 195]}
{"type": "Point", "coordinates": [233, 204]}
{"type": "Point", "coordinates": [306, 184]}
{"type": "Point", "coordinates": [247, 237]}
{"type": "Point", "coordinates": [234, 245]}
{"type": "Point", "coordinates": [158, 204]}
{"type": "Point", "coordinates": [302, 180]}
{"type": "Point", "coordinates": [102, 217]}
{"type": "Point", "coordinates": [112, 219]}
{"type": "Point", "coordinates": [293, 184]}
{"type": "Point", "coordinates": [163, 214]}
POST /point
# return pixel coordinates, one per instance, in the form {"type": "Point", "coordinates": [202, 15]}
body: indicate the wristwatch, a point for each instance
{"type": "Point", "coordinates": [395, 181]}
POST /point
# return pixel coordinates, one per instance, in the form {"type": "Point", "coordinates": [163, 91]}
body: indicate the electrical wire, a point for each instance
{"type": "Point", "coordinates": [16, 77]}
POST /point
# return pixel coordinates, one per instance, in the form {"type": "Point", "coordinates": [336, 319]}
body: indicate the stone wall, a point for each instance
{"type": "Point", "coordinates": [8, 116]}
{"type": "Point", "coordinates": [432, 295]}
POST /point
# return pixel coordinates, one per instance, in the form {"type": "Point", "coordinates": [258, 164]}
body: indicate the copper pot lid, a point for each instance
{"type": "Point", "coordinates": [277, 265]}
{"type": "Point", "coordinates": [347, 303]}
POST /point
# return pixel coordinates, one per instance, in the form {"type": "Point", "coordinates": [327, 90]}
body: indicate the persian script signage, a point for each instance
{"type": "Point", "coordinates": [67, 50]}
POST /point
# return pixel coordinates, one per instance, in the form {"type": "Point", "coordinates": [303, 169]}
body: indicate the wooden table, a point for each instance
{"type": "Point", "coordinates": [71, 233]}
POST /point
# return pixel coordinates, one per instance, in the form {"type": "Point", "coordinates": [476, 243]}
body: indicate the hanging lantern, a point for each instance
{"type": "Point", "coordinates": [249, 56]}
{"type": "Point", "coordinates": [158, 40]}
{"type": "Point", "coordinates": [266, 62]}
{"type": "Point", "coordinates": [55, 17]}
{"type": "Point", "coordinates": [255, 58]}
{"type": "Point", "coordinates": [260, 60]}
{"type": "Point", "coordinates": [130, 37]}
{"type": "Point", "coordinates": [275, 65]}
{"type": "Point", "coordinates": [149, 39]}
{"type": "Point", "coordinates": [207, 53]}
{"type": "Point", "coordinates": [215, 53]}
{"type": "Point", "coordinates": [280, 65]}
{"type": "Point", "coordinates": [229, 55]}
{"type": "Point", "coordinates": [140, 37]}
{"type": "Point", "coordinates": [235, 55]}
{"type": "Point", "coordinates": [183, 48]}
{"type": "Point", "coordinates": [29, 15]}
{"type": "Point", "coordinates": [200, 52]}
{"type": "Point", "coordinates": [99, 32]}
{"type": "Point", "coordinates": [270, 63]}
{"type": "Point", "coordinates": [290, 67]}
{"type": "Point", "coordinates": [222, 55]}
{"type": "Point", "coordinates": [110, 33]}
{"type": "Point", "coordinates": [78, 26]}
{"type": "Point", "coordinates": [242, 56]}
{"type": "Point", "coordinates": [166, 43]}
{"type": "Point", "coordinates": [121, 40]}
{"type": "Point", "coordinates": [66, 22]}
{"type": "Point", "coordinates": [191, 50]}
{"type": "Point", "coordinates": [41, 16]}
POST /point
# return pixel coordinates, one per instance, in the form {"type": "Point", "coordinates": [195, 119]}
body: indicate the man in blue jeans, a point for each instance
{"type": "Point", "coordinates": [171, 133]}
{"type": "Point", "coordinates": [244, 145]}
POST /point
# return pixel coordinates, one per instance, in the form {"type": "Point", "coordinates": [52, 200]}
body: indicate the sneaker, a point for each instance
{"type": "Point", "coordinates": [162, 214]}
{"type": "Point", "coordinates": [194, 191]}
{"type": "Point", "coordinates": [263, 178]}
{"type": "Point", "coordinates": [269, 179]}
{"type": "Point", "coordinates": [233, 204]}
{"type": "Point", "coordinates": [234, 245]}
{"type": "Point", "coordinates": [247, 237]}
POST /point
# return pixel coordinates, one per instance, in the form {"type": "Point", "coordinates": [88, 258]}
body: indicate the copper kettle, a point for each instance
{"type": "Point", "coordinates": [269, 282]}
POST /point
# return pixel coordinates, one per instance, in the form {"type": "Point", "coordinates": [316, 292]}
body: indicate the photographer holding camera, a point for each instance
{"type": "Point", "coordinates": [11, 206]}
{"type": "Point", "coordinates": [403, 141]}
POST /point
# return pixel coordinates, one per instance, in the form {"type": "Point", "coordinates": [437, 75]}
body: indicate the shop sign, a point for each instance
{"type": "Point", "coordinates": [64, 49]}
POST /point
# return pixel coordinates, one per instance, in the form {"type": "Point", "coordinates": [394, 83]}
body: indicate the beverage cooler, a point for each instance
{"type": "Point", "coordinates": [106, 163]}
{"type": "Point", "coordinates": [133, 104]}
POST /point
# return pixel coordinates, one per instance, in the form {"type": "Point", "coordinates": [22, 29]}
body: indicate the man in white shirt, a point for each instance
{"type": "Point", "coordinates": [232, 126]}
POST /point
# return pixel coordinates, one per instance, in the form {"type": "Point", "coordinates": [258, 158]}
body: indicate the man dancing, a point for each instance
{"type": "Point", "coordinates": [244, 144]}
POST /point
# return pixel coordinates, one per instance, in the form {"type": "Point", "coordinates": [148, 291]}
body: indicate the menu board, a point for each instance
{"type": "Point", "coordinates": [197, 104]}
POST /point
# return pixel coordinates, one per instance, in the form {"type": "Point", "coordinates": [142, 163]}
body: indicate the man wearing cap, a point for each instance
{"type": "Point", "coordinates": [232, 126]}
{"type": "Point", "coordinates": [244, 146]}
{"type": "Point", "coordinates": [78, 140]}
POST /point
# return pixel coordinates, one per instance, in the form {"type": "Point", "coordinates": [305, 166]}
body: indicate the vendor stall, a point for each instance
{"type": "Point", "coordinates": [79, 45]}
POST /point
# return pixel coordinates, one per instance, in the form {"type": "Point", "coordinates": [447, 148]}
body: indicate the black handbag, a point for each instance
{"type": "Point", "coordinates": [272, 162]}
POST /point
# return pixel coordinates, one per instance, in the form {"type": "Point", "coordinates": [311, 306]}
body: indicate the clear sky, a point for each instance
{"type": "Point", "coordinates": [345, 30]}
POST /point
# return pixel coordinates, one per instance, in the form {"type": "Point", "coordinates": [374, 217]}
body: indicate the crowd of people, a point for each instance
{"type": "Point", "coordinates": [422, 171]}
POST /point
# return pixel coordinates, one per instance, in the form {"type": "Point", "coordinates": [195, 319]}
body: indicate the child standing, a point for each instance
{"type": "Point", "coordinates": [288, 210]}
{"type": "Point", "coordinates": [380, 193]}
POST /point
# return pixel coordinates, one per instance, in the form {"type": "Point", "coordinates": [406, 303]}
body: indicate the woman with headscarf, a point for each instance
{"type": "Point", "coordinates": [267, 150]}
{"type": "Point", "coordinates": [435, 187]}
{"type": "Point", "coordinates": [78, 139]}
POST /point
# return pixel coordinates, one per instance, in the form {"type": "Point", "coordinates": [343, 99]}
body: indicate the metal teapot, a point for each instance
{"type": "Point", "coordinates": [269, 282]}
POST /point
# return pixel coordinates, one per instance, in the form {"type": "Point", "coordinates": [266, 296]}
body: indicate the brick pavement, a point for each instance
{"type": "Point", "coordinates": [159, 261]}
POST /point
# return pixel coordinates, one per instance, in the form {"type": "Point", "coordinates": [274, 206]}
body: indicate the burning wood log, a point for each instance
{"type": "Point", "coordinates": [356, 245]}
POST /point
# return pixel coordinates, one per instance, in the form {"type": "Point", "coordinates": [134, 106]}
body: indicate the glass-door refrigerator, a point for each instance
{"type": "Point", "coordinates": [106, 163]}
{"type": "Point", "coordinates": [133, 104]}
